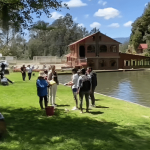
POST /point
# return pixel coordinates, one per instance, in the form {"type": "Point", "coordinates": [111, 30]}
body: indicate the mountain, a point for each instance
{"type": "Point", "coordinates": [122, 39]}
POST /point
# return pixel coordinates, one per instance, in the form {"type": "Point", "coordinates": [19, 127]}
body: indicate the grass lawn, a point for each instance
{"type": "Point", "coordinates": [115, 125]}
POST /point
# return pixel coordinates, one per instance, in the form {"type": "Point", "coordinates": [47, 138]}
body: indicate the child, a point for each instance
{"type": "Point", "coordinates": [42, 85]}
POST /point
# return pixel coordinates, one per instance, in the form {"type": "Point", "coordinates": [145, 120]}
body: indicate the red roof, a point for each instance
{"type": "Point", "coordinates": [90, 36]}
{"type": "Point", "coordinates": [143, 46]}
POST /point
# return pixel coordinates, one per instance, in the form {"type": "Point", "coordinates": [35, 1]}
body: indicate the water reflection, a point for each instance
{"type": "Point", "coordinates": [131, 86]}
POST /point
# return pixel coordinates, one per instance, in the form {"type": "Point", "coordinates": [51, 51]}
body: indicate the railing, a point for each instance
{"type": "Point", "coordinates": [82, 61]}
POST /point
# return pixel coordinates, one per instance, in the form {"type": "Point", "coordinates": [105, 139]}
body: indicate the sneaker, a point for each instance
{"type": "Point", "coordinates": [81, 112]}
{"type": "Point", "coordinates": [92, 106]}
{"type": "Point", "coordinates": [75, 108]}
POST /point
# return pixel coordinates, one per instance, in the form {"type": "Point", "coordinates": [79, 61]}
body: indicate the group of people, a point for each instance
{"type": "Point", "coordinates": [83, 82]}
{"type": "Point", "coordinates": [47, 86]}
{"type": "Point", "coordinates": [28, 69]}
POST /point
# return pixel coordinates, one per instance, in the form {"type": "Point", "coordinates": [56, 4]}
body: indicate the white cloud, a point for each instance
{"type": "Point", "coordinates": [114, 25]}
{"type": "Point", "coordinates": [86, 16]}
{"type": "Point", "coordinates": [75, 3]}
{"type": "Point", "coordinates": [56, 15]}
{"type": "Point", "coordinates": [102, 2]}
{"type": "Point", "coordinates": [128, 24]}
{"type": "Point", "coordinates": [95, 25]}
{"type": "Point", "coordinates": [107, 13]}
{"type": "Point", "coordinates": [146, 4]}
{"type": "Point", "coordinates": [75, 19]}
{"type": "Point", "coordinates": [81, 25]}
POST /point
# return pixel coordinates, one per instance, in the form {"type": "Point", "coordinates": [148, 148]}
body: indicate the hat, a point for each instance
{"type": "Point", "coordinates": [41, 74]}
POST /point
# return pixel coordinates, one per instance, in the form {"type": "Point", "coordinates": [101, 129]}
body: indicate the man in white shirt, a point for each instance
{"type": "Point", "coordinates": [73, 85]}
{"type": "Point", "coordinates": [30, 71]}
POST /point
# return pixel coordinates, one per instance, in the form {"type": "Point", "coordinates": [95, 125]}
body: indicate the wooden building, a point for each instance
{"type": "Point", "coordinates": [102, 53]}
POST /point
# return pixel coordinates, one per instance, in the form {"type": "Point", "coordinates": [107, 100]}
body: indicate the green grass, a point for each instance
{"type": "Point", "coordinates": [116, 125]}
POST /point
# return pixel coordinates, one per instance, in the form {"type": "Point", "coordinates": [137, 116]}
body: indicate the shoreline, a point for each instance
{"type": "Point", "coordinates": [102, 71]}
{"type": "Point", "coordinates": [114, 98]}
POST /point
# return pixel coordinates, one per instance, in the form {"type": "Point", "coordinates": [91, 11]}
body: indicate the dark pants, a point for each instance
{"type": "Point", "coordinates": [29, 75]}
{"type": "Point", "coordinates": [9, 81]}
{"type": "Point", "coordinates": [41, 101]}
{"type": "Point", "coordinates": [81, 94]}
{"type": "Point", "coordinates": [23, 76]}
{"type": "Point", "coordinates": [92, 96]}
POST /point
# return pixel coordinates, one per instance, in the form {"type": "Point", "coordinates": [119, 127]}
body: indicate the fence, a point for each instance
{"type": "Point", "coordinates": [12, 60]}
{"type": "Point", "coordinates": [49, 59]}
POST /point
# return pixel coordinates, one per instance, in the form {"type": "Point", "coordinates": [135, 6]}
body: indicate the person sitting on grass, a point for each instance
{"type": "Point", "coordinates": [42, 85]}
{"type": "Point", "coordinates": [84, 88]}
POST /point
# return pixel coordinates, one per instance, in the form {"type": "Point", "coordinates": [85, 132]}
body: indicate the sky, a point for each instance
{"type": "Point", "coordinates": [111, 17]}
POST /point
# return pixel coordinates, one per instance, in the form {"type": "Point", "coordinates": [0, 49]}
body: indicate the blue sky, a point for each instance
{"type": "Point", "coordinates": [112, 17]}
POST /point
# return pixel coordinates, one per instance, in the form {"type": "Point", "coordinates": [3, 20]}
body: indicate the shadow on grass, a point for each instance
{"type": "Point", "coordinates": [96, 112]}
{"type": "Point", "coordinates": [101, 106]}
{"type": "Point", "coordinates": [63, 105]}
{"type": "Point", "coordinates": [32, 129]}
{"type": "Point", "coordinates": [97, 99]}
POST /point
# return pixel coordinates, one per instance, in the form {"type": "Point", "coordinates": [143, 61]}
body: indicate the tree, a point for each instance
{"type": "Point", "coordinates": [123, 47]}
{"type": "Point", "coordinates": [64, 32]}
{"type": "Point", "coordinates": [94, 30]}
{"type": "Point", "coordinates": [19, 12]}
{"type": "Point", "coordinates": [140, 29]}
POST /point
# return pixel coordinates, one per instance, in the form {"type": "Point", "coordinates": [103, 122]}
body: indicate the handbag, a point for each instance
{"type": "Point", "coordinates": [52, 82]}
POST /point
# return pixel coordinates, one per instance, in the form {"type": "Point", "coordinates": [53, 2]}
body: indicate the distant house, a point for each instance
{"type": "Point", "coordinates": [97, 50]}
{"type": "Point", "coordinates": [102, 53]}
{"type": "Point", "coordinates": [142, 48]}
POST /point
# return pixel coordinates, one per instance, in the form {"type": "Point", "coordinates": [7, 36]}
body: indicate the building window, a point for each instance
{"type": "Point", "coordinates": [93, 38]}
{"type": "Point", "coordinates": [113, 63]}
{"type": "Point", "coordinates": [103, 63]}
{"type": "Point", "coordinates": [100, 38]}
{"type": "Point", "coordinates": [113, 49]}
{"type": "Point", "coordinates": [126, 63]}
{"type": "Point", "coordinates": [103, 48]}
{"type": "Point", "coordinates": [91, 49]}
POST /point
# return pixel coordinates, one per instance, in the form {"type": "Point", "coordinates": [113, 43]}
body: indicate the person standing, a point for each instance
{"type": "Point", "coordinates": [3, 67]}
{"type": "Point", "coordinates": [84, 88]}
{"type": "Point", "coordinates": [93, 77]}
{"type": "Point", "coordinates": [23, 71]}
{"type": "Point", "coordinates": [30, 69]}
{"type": "Point", "coordinates": [73, 85]}
{"type": "Point", "coordinates": [53, 89]}
{"type": "Point", "coordinates": [42, 85]}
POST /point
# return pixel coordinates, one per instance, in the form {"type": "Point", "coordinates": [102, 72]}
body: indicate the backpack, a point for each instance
{"type": "Point", "coordinates": [4, 81]}
{"type": "Point", "coordinates": [86, 84]}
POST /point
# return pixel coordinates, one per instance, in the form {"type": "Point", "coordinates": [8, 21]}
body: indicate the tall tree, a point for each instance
{"type": "Point", "coordinates": [140, 29]}
{"type": "Point", "coordinates": [19, 12]}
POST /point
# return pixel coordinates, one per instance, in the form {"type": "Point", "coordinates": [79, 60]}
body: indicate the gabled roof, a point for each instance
{"type": "Point", "coordinates": [82, 39]}
{"type": "Point", "coordinates": [90, 36]}
{"type": "Point", "coordinates": [143, 46]}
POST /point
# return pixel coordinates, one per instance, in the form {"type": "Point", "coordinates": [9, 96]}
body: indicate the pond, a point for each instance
{"type": "Point", "coordinates": [133, 86]}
